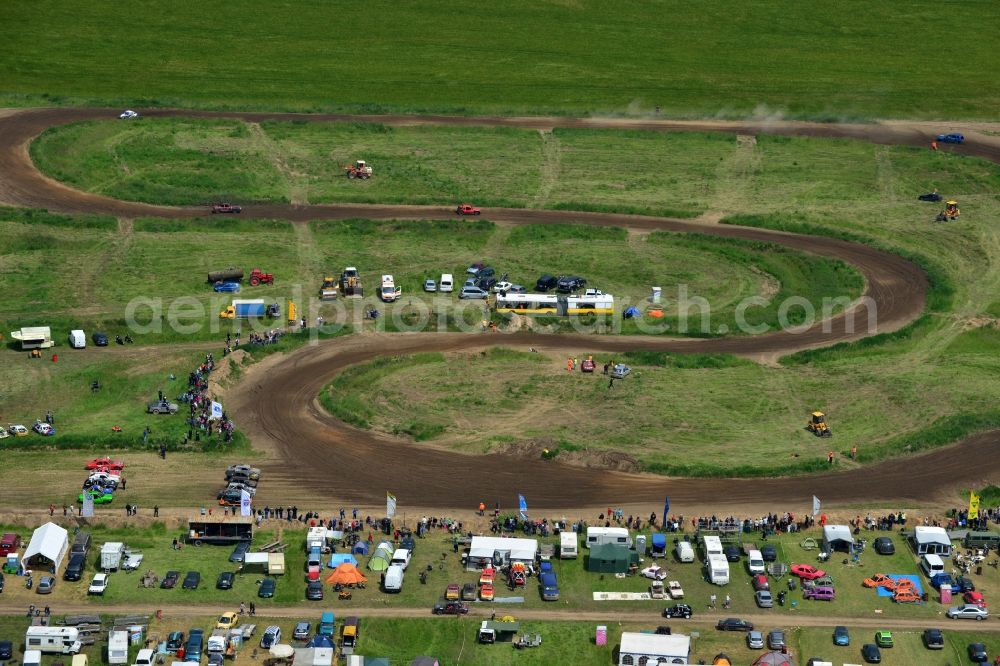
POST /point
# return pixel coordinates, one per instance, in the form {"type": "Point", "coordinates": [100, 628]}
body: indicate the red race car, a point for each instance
{"type": "Point", "coordinates": [466, 209]}
{"type": "Point", "coordinates": [807, 571]}
{"type": "Point", "coordinates": [975, 598]}
{"type": "Point", "coordinates": [226, 208]}
{"type": "Point", "coordinates": [106, 464]}
{"type": "Point", "coordinates": [587, 365]}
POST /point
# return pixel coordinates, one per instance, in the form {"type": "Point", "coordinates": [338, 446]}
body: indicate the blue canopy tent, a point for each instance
{"type": "Point", "coordinates": [336, 559]}
{"type": "Point", "coordinates": [360, 548]}
{"type": "Point", "coordinates": [631, 312]}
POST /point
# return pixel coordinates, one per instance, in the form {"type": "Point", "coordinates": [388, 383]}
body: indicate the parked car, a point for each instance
{"type": "Point", "coordinates": [587, 365]}
{"type": "Point", "coordinates": [105, 464]}
{"type": "Point", "coordinates": [162, 407]}
{"type": "Point", "coordinates": [225, 580]}
{"type": "Point", "coordinates": [978, 653]}
{"type": "Point", "coordinates": [43, 429]}
{"type": "Point", "coordinates": [195, 645]}
{"type": "Point", "coordinates": [763, 599]}
{"type": "Point", "coordinates": [271, 636]}
{"type": "Point", "coordinates": [450, 608]}
{"type": "Point", "coordinates": [100, 339]}
{"type": "Point", "coordinates": [546, 283]}
{"type": "Point", "coordinates": [239, 552]}
{"type": "Point", "coordinates": [18, 430]}
{"type": "Point", "coordinates": [227, 620]}
{"type": "Point", "coordinates": [99, 584]}
{"type": "Point", "coordinates": [954, 137]}
{"type": "Point", "coordinates": [732, 553]}
{"type": "Point", "coordinates": [301, 631]}
{"type": "Point", "coordinates": [45, 585]}
{"type": "Point", "coordinates": [3, 433]}
{"type": "Point", "coordinates": [968, 612]}
{"type": "Point", "coordinates": [883, 639]}
{"type": "Point", "coordinates": [517, 289]}
{"type": "Point", "coordinates": [755, 640]}
{"type": "Point", "coordinates": [734, 624]}
{"type": "Point", "coordinates": [191, 580]}
{"type": "Point", "coordinates": [174, 641]}
{"type": "Point", "coordinates": [974, 599]}
{"type": "Point", "coordinates": [769, 553]}
{"type": "Point", "coordinates": [242, 473]}
{"type": "Point", "coordinates": [570, 283]}
{"type": "Point", "coordinates": [807, 571]}
{"type": "Point", "coordinates": [226, 208]}
{"type": "Point", "coordinates": [884, 546]}
{"type": "Point", "coordinates": [430, 285]}
{"type": "Point", "coordinates": [227, 287]}
{"type": "Point", "coordinates": [871, 653]}
{"type": "Point", "coordinates": [930, 196]}
{"type": "Point", "coordinates": [620, 371]}
{"type": "Point", "coordinates": [819, 593]}
{"type": "Point", "coordinates": [678, 611]}
{"type": "Point", "coordinates": [473, 293]}
{"type": "Point", "coordinates": [776, 639]}
{"type": "Point", "coordinates": [314, 590]}
{"type": "Point", "coordinates": [170, 580]}
{"type": "Point", "coordinates": [466, 209]}
{"type": "Point", "coordinates": [760, 582]}
{"type": "Point", "coordinates": [933, 639]}
{"type": "Point", "coordinates": [963, 584]}
{"type": "Point", "coordinates": [266, 589]}
{"type": "Point", "coordinates": [841, 636]}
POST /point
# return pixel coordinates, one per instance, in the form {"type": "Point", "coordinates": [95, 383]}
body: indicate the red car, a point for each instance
{"type": "Point", "coordinates": [807, 571]}
{"type": "Point", "coordinates": [466, 209]}
{"type": "Point", "coordinates": [975, 598]}
{"type": "Point", "coordinates": [450, 608]}
{"type": "Point", "coordinates": [760, 583]}
{"type": "Point", "coordinates": [226, 208]}
{"type": "Point", "coordinates": [587, 365]}
{"type": "Point", "coordinates": [106, 464]}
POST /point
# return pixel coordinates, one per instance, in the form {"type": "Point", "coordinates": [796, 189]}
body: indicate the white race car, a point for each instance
{"type": "Point", "coordinates": [3, 433]}
{"type": "Point", "coordinates": [18, 430]}
{"type": "Point", "coordinates": [43, 429]}
{"type": "Point", "coordinates": [129, 114]}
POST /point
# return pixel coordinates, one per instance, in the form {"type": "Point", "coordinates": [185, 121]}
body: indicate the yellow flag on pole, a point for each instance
{"type": "Point", "coordinates": [973, 506]}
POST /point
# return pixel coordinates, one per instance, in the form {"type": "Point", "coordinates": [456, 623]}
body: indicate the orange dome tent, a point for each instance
{"type": "Point", "coordinates": [346, 574]}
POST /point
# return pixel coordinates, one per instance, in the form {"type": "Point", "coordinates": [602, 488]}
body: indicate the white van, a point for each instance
{"type": "Point", "coordinates": [389, 292]}
{"type": "Point", "coordinates": [932, 565]}
{"type": "Point", "coordinates": [447, 282]}
{"type": "Point", "coordinates": [144, 658]}
{"type": "Point", "coordinates": [684, 551]}
{"type": "Point", "coordinates": [568, 546]}
{"type": "Point", "coordinates": [77, 339]}
{"type": "Point", "coordinates": [401, 557]}
{"type": "Point", "coordinates": [32, 658]}
{"type": "Point", "coordinates": [393, 579]}
{"type": "Point", "coordinates": [755, 562]}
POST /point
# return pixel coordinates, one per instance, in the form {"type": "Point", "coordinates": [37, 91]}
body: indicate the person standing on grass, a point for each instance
{"type": "Point", "coordinates": [854, 452]}
{"type": "Point", "coordinates": [829, 457]}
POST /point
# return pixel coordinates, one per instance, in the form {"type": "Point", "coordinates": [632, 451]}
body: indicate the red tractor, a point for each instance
{"type": "Point", "coordinates": [258, 276]}
{"type": "Point", "coordinates": [359, 169]}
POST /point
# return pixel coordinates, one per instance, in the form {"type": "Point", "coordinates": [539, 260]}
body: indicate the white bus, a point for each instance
{"type": "Point", "coordinates": [590, 304]}
{"type": "Point", "coordinates": [527, 303]}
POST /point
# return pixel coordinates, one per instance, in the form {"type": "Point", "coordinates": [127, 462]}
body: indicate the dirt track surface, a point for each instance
{"type": "Point", "coordinates": [276, 404]}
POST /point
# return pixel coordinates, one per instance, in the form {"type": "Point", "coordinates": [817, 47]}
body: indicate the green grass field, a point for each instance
{"type": "Point", "coordinates": [727, 59]}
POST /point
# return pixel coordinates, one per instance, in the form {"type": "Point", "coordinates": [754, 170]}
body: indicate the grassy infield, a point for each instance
{"type": "Point", "coordinates": [446, 638]}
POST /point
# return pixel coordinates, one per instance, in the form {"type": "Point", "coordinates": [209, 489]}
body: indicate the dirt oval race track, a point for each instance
{"type": "Point", "coordinates": [276, 404]}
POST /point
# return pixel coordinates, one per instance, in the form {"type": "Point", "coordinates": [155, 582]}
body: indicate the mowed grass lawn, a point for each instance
{"type": "Point", "coordinates": [727, 58]}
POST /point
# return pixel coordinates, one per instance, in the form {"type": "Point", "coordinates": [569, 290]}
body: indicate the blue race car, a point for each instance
{"type": "Point", "coordinates": [951, 138]}
{"type": "Point", "coordinates": [227, 287]}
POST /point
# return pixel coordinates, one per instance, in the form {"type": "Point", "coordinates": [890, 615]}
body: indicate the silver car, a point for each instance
{"type": "Point", "coordinates": [968, 612]}
{"type": "Point", "coordinates": [755, 640]}
{"type": "Point", "coordinates": [764, 599]}
{"type": "Point", "coordinates": [430, 285]}
{"type": "Point", "coordinates": [776, 639]}
{"type": "Point", "coordinates": [621, 371]}
{"type": "Point", "coordinates": [473, 293]}
{"type": "Point", "coordinates": [301, 631]}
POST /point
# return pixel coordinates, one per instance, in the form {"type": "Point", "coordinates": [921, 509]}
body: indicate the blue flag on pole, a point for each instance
{"type": "Point", "coordinates": [666, 510]}
{"type": "Point", "coordinates": [522, 506]}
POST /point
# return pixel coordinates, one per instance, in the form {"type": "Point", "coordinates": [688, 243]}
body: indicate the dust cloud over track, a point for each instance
{"type": "Point", "coordinates": [276, 404]}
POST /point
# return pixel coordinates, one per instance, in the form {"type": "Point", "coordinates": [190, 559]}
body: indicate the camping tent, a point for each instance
{"type": "Point", "coordinates": [775, 658]}
{"type": "Point", "coordinates": [837, 538]}
{"type": "Point", "coordinates": [336, 559]}
{"type": "Point", "coordinates": [931, 540]}
{"type": "Point", "coordinates": [609, 558]}
{"type": "Point", "coordinates": [47, 548]}
{"type": "Point", "coordinates": [425, 661]}
{"type": "Point", "coordinates": [360, 548]}
{"type": "Point", "coordinates": [381, 557]}
{"type": "Point", "coordinates": [345, 574]}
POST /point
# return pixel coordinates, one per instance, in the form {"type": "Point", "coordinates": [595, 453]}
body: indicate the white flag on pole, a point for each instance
{"type": "Point", "coordinates": [390, 505]}
{"type": "Point", "coordinates": [245, 503]}
{"type": "Point", "coordinates": [216, 411]}
{"type": "Point", "coordinates": [815, 506]}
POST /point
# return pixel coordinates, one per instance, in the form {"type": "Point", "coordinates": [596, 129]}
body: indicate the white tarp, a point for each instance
{"type": "Point", "coordinates": [50, 541]}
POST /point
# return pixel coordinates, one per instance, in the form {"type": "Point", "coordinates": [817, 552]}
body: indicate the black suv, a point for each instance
{"type": "Point", "coordinates": [486, 283]}
{"type": "Point", "coordinates": [546, 283]}
{"type": "Point", "coordinates": [568, 283]}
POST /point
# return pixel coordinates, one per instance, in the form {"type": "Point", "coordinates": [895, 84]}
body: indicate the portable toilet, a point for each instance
{"type": "Point", "coordinates": [656, 295]}
{"type": "Point", "coordinates": [946, 594]}
{"type": "Point", "coordinates": [602, 635]}
{"type": "Point", "coordinates": [640, 544]}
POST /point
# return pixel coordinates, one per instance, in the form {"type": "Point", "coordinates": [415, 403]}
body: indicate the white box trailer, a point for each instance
{"type": "Point", "coordinates": [111, 555]}
{"type": "Point", "coordinates": [568, 546]}
{"type": "Point", "coordinates": [62, 640]}
{"type": "Point", "coordinates": [717, 569]}
{"type": "Point", "coordinates": [617, 536]}
{"type": "Point", "coordinates": [34, 337]}
{"type": "Point", "coordinates": [316, 538]}
{"type": "Point", "coordinates": [117, 647]}
{"type": "Point", "coordinates": [712, 545]}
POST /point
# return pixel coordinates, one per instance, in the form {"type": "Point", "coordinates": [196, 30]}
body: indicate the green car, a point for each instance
{"type": "Point", "coordinates": [98, 498]}
{"type": "Point", "coordinates": [883, 639]}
